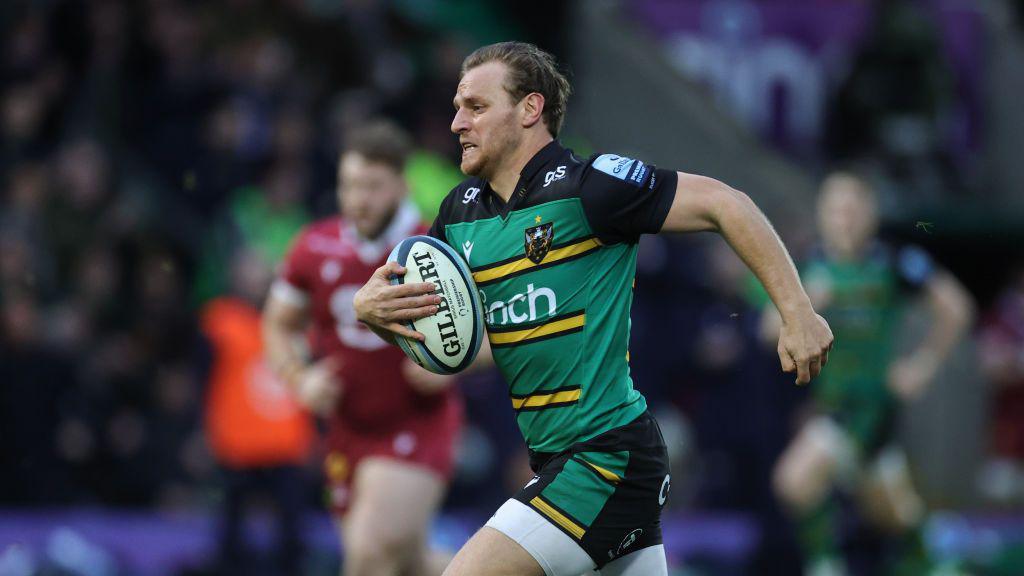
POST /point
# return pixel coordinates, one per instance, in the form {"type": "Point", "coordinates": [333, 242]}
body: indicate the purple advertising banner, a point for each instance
{"type": "Point", "coordinates": [775, 63]}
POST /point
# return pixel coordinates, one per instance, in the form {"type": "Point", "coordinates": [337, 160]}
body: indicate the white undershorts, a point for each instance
{"type": "Point", "coordinates": [560, 555]}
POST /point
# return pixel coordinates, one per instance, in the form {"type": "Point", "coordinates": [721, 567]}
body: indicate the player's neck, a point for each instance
{"type": "Point", "coordinates": [852, 254]}
{"type": "Point", "coordinates": [506, 178]}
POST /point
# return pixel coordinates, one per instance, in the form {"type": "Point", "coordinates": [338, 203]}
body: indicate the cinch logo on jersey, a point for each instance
{"type": "Point", "coordinates": [530, 317]}
{"type": "Point", "coordinates": [530, 299]}
{"type": "Point", "coordinates": [446, 330]}
{"type": "Point", "coordinates": [621, 167]}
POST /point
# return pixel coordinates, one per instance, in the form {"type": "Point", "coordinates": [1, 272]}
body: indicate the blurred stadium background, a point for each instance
{"type": "Point", "coordinates": [156, 155]}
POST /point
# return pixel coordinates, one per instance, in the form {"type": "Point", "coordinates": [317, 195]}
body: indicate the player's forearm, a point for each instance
{"type": "Point", "coordinates": [952, 310]}
{"type": "Point", "coordinates": [484, 359]}
{"type": "Point", "coordinates": [748, 231]}
{"type": "Point", "coordinates": [283, 350]}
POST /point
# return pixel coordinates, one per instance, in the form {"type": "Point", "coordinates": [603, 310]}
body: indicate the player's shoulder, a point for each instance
{"type": "Point", "coordinates": [320, 235]}
{"type": "Point", "coordinates": [626, 168]}
{"type": "Point", "coordinates": [896, 254]}
{"type": "Point", "coordinates": [463, 202]}
{"type": "Point", "coordinates": [913, 263]}
{"type": "Point", "coordinates": [325, 227]}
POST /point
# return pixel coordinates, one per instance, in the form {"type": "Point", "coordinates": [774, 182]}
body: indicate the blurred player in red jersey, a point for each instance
{"type": "Point", "coordinates": [392, 425]}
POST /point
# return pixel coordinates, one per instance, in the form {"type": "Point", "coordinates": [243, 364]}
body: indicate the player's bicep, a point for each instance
{"type": "Point", "coordinates": [624, 198]}
{"type": "Point", "coordinates": [287, 308]}
{"type": "Point", "coordinates": [694, 207]}
{"type": "Point", "coordinates": [948, 298]}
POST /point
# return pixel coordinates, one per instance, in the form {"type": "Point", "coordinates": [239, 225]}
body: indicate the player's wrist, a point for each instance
{"type": "Point", "coordinates": [796, 310]}
{"type": "Point", "coordinates": [292, 375]}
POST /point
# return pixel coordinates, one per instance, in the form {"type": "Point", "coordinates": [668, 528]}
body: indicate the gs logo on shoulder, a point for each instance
{"type": "Point", "coordinates": [538, 241]}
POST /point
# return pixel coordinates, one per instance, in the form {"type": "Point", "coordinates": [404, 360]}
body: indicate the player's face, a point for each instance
{"type": "Point", "coordinates": [847, 215]}
{"type": "Point", "coordinates": [485, 120]}
{"type": "Point", "coordinates": [369, 193]}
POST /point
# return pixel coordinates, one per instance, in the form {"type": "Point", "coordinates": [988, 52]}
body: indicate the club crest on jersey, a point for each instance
{"type": "Point", "coordinates": [538, 241]}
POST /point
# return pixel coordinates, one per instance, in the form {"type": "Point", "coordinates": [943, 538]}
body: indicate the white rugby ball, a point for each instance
{"type": "Point", "coordinates": [454, 333]}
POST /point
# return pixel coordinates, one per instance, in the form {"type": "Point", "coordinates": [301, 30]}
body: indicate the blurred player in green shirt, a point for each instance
{"type": "Point", "coordinates": [861, 286]}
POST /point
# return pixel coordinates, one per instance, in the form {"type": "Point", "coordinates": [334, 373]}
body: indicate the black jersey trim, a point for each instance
{"type": "Point", "coordinates": [544, 399]}
{"type": "Point", "coordinates": [543, 392]}
{"type": "Point", "coordinates": [518, 265]}
{"type": "Point", "coordinates": [505, 328]}
{"type": "Point", "coordinates": [554, 328]}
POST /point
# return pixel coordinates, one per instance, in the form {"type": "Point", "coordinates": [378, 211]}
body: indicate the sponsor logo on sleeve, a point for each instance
{"type": "Point", "coordinates": [621, 167]}
{"type": "Point", "coordinates": [639, 172]}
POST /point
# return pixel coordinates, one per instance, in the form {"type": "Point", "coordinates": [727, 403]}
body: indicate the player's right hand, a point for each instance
{"type": "Point", "coordinates": [380, 304]}
{"type": "Point", "coordinates": [318, 388]}
{"type": "Point", "coordinates": [804, 343]}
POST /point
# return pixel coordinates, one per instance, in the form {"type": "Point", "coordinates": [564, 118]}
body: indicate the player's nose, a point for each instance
{"type": "Point", "coordinates": [459, 123]}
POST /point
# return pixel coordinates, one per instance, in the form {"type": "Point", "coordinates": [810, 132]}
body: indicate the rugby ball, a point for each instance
{"type": "Point", "coordinates": [454, 333]}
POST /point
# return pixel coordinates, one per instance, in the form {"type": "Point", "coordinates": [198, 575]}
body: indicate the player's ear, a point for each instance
{"type": "Point", "coordinates": [533, 109]}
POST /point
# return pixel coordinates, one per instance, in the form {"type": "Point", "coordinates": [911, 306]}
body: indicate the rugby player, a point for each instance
{"type": "Point", "coordinates": [552, 241]}
{"type": "Point", "coordinates": [391, 424]}
{"type": "Point", "coordinates": [861, 285]}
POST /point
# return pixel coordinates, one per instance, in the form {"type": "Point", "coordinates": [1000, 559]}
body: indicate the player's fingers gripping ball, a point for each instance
{"type": "Point", "coordinates": [455, 332]}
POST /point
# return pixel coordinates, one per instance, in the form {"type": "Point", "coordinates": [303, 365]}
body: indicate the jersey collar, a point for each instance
{"type": "Point", "coordinates": [545, 155]}
{"type": "Point", "coordinates": [551, 151]}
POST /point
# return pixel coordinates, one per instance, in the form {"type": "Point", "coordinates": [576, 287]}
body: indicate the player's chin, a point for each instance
{"type": "Point", "coordinates": [369, 227]}
{"type": "Point", "coordinates": [470, 166]}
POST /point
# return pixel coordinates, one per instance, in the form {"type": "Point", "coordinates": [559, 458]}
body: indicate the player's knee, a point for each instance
{"type": "Point", "coordinates": [364, 557]}
{"type": "Point", "coordinates": [380, 553]}
{"type": "Point", "coordinates": [799, 488]}
{"type": "Point", "coordinates": [787, 488]}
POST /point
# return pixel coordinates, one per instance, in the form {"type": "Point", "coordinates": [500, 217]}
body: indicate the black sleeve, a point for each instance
{"type": "Point", "coordinates": [624, 198]}
{"type": "Point", "coordinates": [442, 218]}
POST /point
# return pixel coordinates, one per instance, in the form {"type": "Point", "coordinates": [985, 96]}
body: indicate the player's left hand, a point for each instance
{"type": "Point", "coordinates": [424, 381]}
{"type": "Point", "coordinates": [804, 343]}
{"type": "Point", "coordinates": [909, 376]}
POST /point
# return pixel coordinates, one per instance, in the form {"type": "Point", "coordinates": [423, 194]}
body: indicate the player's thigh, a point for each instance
{"type": "Point", "coordinates": [649, 561]}
{"type": "Point", "coordinates": [491, 553]}
{"type": "Point", "coordinates": [807, 468]}
{"type": "Point", "coordinates": [393, 501]}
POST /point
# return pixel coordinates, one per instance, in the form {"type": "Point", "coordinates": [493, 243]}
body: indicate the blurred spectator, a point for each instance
{"type": "Point", "coordinates": [894, 103]}
{"type": "Point", "coordinates": [37, 386]}
{"type": "Point", "coordinates": [1002, 359]}
{"type": "Point", "coordinates": [259, 436]}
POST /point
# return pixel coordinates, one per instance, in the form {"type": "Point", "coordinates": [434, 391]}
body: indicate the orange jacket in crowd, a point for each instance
{"type": "Point", "coordinates": [251, 420]}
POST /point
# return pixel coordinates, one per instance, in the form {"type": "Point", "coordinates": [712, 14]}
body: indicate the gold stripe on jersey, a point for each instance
{"type": "Point", "coordinates": [547, 399]}
{"type": "Point", "coordinates": [603, 472]}
{"type": "Point", "coordinates": [558, 326]}
{"type": "Point", "coordinates": [494, 272]}
{"type": "Point", "coordinates": [557, 517]}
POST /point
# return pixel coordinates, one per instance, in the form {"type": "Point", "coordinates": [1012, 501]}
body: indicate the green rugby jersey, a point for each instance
{"type": "Point", "coordinates": [864, 299]}
{"type": "Point", "coordinates": [555, 268]}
